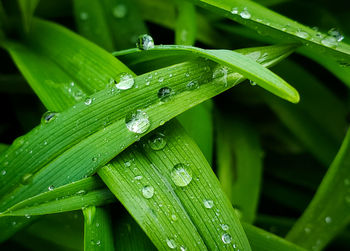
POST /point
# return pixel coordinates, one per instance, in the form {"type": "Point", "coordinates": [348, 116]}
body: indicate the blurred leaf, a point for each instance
{"type": "Point", "coordinates": [27, 8]}
{"type": "Point", "coordinates": [186, 26]}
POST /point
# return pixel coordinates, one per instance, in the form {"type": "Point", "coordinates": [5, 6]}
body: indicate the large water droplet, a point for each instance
{"type": "Point", "coordinates": [124, 81]}
{"type": "Point", "coordinates": [119, 11]}
{"type": "Point", "coordinates": [245, 14]}
{"type": "Point", "coordinates": [165, 94]}
{"type": "Point", "coordinates": [171, 243]}
{"type": "Point", "coordinates": [181, 175]}
{"type": "Point", "coordinates": [208, 204]}
{"type": "Point", "coordinates": [221, 73]}
{"type": "Point", "coordinates": [157, 141]}
{"type": "Point", "coordinates": [336, 34]}
{"type": "Point", "coordinates": [148, 192]}
{"type": "Point", "coordinates": [226, 238]}
{"type": "Point", "coordinates": [137, 122]}
{"type": "Point", "coordinates": [145, 42]}
{"type": "Point", "coordinates": [48, 117]}
{"type": "Point", "coordinates": [329, 42]}
{"type": "Point", "coordinates": [52, 187]}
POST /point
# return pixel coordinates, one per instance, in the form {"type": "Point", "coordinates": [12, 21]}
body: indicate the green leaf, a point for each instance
{"type": "Point", "coordinates": [281, 28]}
{"type": "Point", "coordinates": [73, 196]}
{"type": "Point", "coordinates": [242, 64]}
{"type": "Point", "coordinates": [97, 229]}
{"type": "Point", "coordinates": [328, 212]}
{"type": "Point", "coordinates": [182, 171]}
{"type": "Point", "coordinates": [186, 26]}
{"type": "Point", "coordinates": [27, 8]}
{"type": "Point", "coordinates": [239, 160]}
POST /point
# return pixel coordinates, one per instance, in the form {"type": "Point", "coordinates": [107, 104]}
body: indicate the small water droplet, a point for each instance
{"type": "Point", "coordinates": [48, 117]}
{"type": "Point", "coordinates": [84, 16]}
{"type": "Point", "coordinates": [328, 220]}
{"type": "Point", "coordinates": [26, 178]}
{"type": "Point", "coordinates": [88, 101]}
{"type": "Point", "coordinates": [119, 11]}
{"type": "Point", "coordinates": [148, 192]}
{"type": "Point", "coordinates": [137, 122]}
{"type": "Point", "coordinates": [252, 83]}
{"type": "Point", "coordinates": [336, 34]}
{"type": "Point", "coordinates": [14, 223]}
{"type": "Point", "coordinates": [329, 42]}
{"type": "Point", "coordinates": [3, 172]}
{"type": "Point", "coordinates": [94, 159]}
{"type": "Point", "coordinates": [234, 11]}
{"type": "Point", "coordinates": [302, 34]}
{"type": "Point", "coordinates": [181, 175]}
{"type": "Point", "coordinates": [221, 73]}
{"type": "Point", "coordinates": [98, 243]}
{"type": "Point", "coordinates": [183, 248]}
{"type": "Point", "coordinates": [28, 216]}
{"type": "Point", "coordinates": [192, 85]}
{"type": "Point", "coordinates": [174, 217]}
{"type": "Point", "coordinates": [81, 192]}
{"type": "Point", "coordinates": [224, 227]}
{"type": "Point", "coordinates": [52, 187]}
{"type": "Point", "coordinates": [139, 177]}
{"type": "Point", "coordinates": [127, 164]}
{"type": "Point", "coordinates": [124, 81]}
{"type": "Point", "coordinates": [145, 42]}
{"type": "Point", "coordinates": [171, 243]}
{"type": "Point", "coordinates": [165, 94]}
{"type": "Point", "coordinates": [208, 204]}
{"type": "Point", "coordinates": [157, 141]}
{"type": "Point", "coordinates": [245, 14]}
{"type": "Point", "coordinates": [307, 230]}
{"type": "Point", "coordinates": [226, 238]}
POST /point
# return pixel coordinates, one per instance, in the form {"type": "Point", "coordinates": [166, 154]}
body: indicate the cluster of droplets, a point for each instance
{"type": "Point", "coordinates": [245, 14]}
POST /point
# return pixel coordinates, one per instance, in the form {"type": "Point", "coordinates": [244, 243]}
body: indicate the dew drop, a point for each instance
{"type": "Point", "coordinates": [336, 34]}
{"type": "Point", "coordinates": [226, 238]}
{"type": "Point", "coordinates": [88, 101]}
{"type": "Point", "coordinates": [224, 227]}
{"type": "Point", "coordinates": [234, 11]}
{"type": "Point", "coordinates": [171, 243]}
{"type": "Point", "coordinates": [127, 164]}
{"type": "Point", "coordinates": [52, 187]}
{"type": "Point", "coordinates": [26, 178]}
{"type": "Point", "coordinates": [94, 159]}
{"type": "Point", "coordinates": [302, 34]}
{"type": "Point", "coordinates": [137, 122]}
{"type": "Point", "coordinates": [48, 117]}
{"type": "Point", "coordinates": [252, 83]}
{"type": "Point", "coordinates": [148, 192]}
{"type": "Point", "coordinates": [98, 243]}
{"type": "Point", "coordinates": [174, 217]}
{"type": "Point", "coordinates": [84, 16]}
{"type": "Point", "coordinates": [245, 14]}
{"type": "Point", "coordinates": [192, 85]}
{"type": "Point", "coordinates": [221, 72]}
{"type": "Point", "coordinates": [208, 204]}
{"type": "Point", "coordinates": [119, 11]}
{"type": "Point", "coordinates": [181, 175]}
{"type": "Point", "coordinates": [81, 192]}
{"type": "Point", "coordinates": [3, 172]}
{"type": "Point", "coordinates": [328, 220]}
{"type": "Point", "coordinates": [28, 216]}
{"type": "Point", "coordinates": [124, 81]}
{"type": "Point", "coordinates": [145, 42]}
{"type": "Point", "coordinates": [139, 177]}
{"type": "Point", "coordinates": [183, 248]}
{"type": "Point", "coordinates": [157, 141]}
{"type": "Point", "coordinates": [307, 230]}
{"type": "Point", "coordinates": [165, 94]}
{"type": "Point", "coordinates": [329, 42]}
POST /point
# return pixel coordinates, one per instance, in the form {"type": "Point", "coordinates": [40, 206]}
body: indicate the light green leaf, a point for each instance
{"type": "Point", "coordinates": [97, 229]}
{"type": "Point", "coordinates": [186, 26]}
{"type": "Point", "coordinates": [328, 212]}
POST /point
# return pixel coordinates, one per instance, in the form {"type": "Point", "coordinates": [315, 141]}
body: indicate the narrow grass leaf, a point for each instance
{"type": "Point", "coordinates": [184, 174]}
{"type": "Point", "coordinates": [98, 233]}
{"type": "Point", "coordinates": [73, 196]}
{"type": "Point", "coordinates": [239, 160]}
{"type": "Point", "coordinates": [186, 26]}
{"type": "Point", "coordinates": [328, 212]}
{"type": "Point", "coordinates": [27, 8]}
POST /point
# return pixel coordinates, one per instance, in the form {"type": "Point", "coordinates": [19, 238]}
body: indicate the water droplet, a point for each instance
{"type": "Point", "coordinates": [192, 85]}
{"type": "Point", "coordinates": [165, 94]}
{"type": "Point", "coordinates": [171, 243]}
{"type": "Point", "coordinates": [328, 220]}
{"type": "Point", "coordinates": [48, 117]}
{"type": "Point", "coordinates": [252, 83]}
{"type": "Point", "coordinates": [28, 216]}
{"type": "Point", "coordinates": [234, 11]}
{"type": "Point", "coordinates": [307, 230]}
{"type": "Point", "coordinates": [183, 248]}
{"type": "Point", "coordinates": [81, 192]}
{"type": "Point", "coordinates": [27, 178]}
{"type": "Point", "coordinates": [157, 141]}
{"type": "Point", "coordinates": [208, 203]}
{"type": "Point", "coordinates": [94, 159]}
{"type": "Point", "coordinates": [147, 192]}
{"type": "Point", "coordinates": [124, 81]}
{"type": "Point", "coordinates": [119, 11]}
{"type": "Point", "coordinates": [84, 16]}
{"type": "Point", "coordinates": [137, 122]}
{"type": "Point", "coordinates": [221, 72]}
{"type": "Point", "coordinates": [224, 227]}
{"type": "Point", "coordinates": [336, 34]}
{"type": "Point", "coordinates": [3, 172]}
{"type": "Point", "coordinates": [127, 164]}
{"type": "Point", "coordinates": [302, 34]}
{"type": "Point", "coordinates": [52, 187]}
{"type": "Point", "coordinates": [226, 238]}
{"type": "Point", "coordinates": [245, 14]}
{"type": "Point", "coordinates": [98, 243]}
{"type": "Point", "coordinates": [88, 101]}
{"type": "Point", "coordinates": [139, 177]}
{"type": "Point", "coordinates": [14, 223]}
{"type": "Point", "coordinates": [329, 42]}
{"type": "Point", "coordinates": [174, 217]}
{"type": "Point", "coordinates": [145, 42]}
{"type": "Point", "coordinates": [181, 175]}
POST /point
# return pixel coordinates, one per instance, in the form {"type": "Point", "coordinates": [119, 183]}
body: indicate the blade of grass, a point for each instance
{"type": "Point", "coordinates": [185, 29]}
{"type": "Point", "coordinates": [327, 214]}
{"type": "Point", "coordinates": [239, 160]}
{"type": "Point", "coordinates": [98, 233]}
{"type": "Point", "coordinates": [27, 8]}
